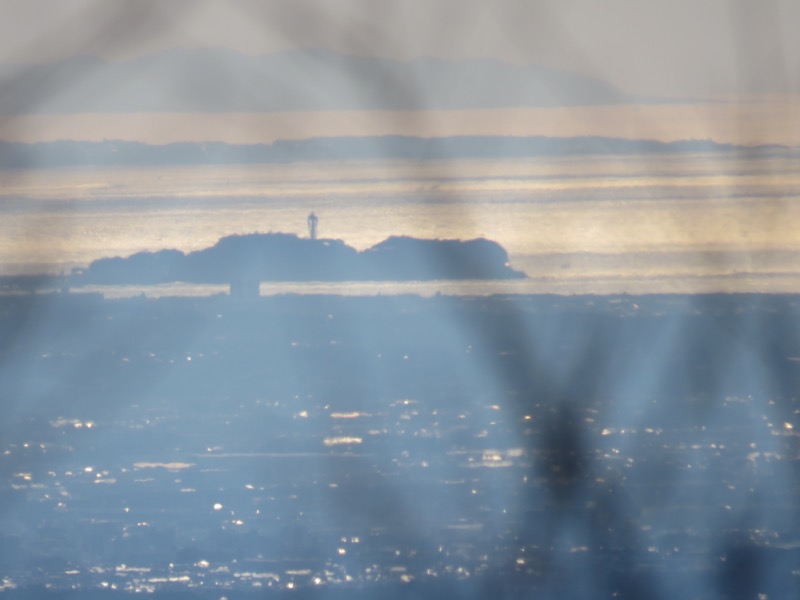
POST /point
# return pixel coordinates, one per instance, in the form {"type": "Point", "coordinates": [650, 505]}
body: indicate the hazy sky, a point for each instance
{"type": "Point", "coordinates": [682, 49]}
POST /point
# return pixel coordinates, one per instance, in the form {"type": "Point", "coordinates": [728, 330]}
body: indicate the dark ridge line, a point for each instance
{"type": "Point", "coordinates": [65, 153]}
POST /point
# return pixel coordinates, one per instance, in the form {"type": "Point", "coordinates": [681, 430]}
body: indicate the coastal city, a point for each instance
{"type": "Point", "coordinates": [188, 457]}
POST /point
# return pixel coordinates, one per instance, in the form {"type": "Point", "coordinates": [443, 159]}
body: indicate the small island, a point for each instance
{"type": "Point", "coordinates": [245, 260]}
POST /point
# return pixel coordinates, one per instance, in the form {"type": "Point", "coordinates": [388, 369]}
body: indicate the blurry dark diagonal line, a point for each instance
{"type": "Point", "coordinates": [567, 453]}
{"type": "Point", "coordinates": [383, 492]}
{"type": "Point", "coordinates": [528, 375]}
{"type": "Point", "coordinates": [273, 17]}
{"type": "Point", "coordinates": [358, 40]}
{"type": "Point", "coordinates": [757, 65]}
{"type": "Point", "coordinates": [527, 378]}
{"type": "Point", "coordinates": [98, 341]}
{"type": "Point", "coordinates": [114, 25]}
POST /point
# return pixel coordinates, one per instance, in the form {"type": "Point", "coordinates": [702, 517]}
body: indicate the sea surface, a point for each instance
{"type": "Point", "coordinates": [588, 224]}
{"type": "Point", "coordinates": [606, 438]}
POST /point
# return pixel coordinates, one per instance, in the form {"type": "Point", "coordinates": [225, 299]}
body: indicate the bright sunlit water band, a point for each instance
{"type": "Point", "coordinates": [686, 223]}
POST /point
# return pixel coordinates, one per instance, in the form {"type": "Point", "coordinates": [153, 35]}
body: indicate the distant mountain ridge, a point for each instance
{"type": "Point", "coordinates": [224, 80]}
{"type": "Point", "coordinates": [121, 153]}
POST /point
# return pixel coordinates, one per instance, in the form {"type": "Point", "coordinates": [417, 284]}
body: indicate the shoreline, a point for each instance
{"type": "Point", "coordinates": [744, 285]}
{"type": "Point", "coordinates": [643, 303]}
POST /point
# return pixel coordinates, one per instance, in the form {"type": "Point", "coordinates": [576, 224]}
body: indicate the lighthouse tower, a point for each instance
{"type": "Point", "coordinates": [312, 225]}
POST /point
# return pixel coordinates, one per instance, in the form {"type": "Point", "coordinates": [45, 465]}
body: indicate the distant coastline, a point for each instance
{"type": "Point", "coordinates": [69, 153]}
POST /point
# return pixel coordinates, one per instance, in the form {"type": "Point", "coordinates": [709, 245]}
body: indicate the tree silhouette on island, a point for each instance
{"type": "Point", "coordinates": [252, 258]}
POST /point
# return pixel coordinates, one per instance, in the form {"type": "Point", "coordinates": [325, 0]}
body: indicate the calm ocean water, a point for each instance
{"type": "Point", "coordinates": [689, 223]}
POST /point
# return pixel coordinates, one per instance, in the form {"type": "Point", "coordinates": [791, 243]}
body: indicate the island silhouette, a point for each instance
{"type": "Point", "coordinates": [245, 260]}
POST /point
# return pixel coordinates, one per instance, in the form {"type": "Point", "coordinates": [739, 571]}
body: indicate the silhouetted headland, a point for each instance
{"type": "Point", "coordinates": [259, 257]}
